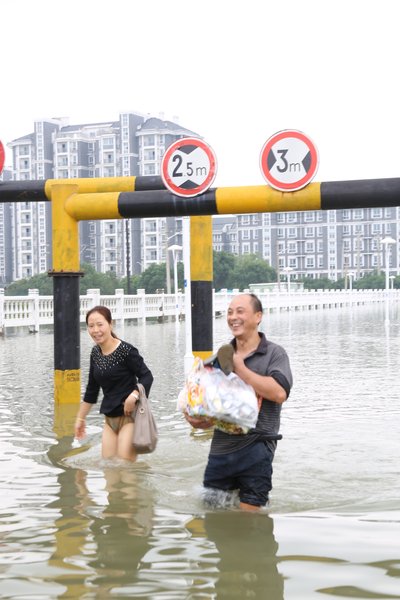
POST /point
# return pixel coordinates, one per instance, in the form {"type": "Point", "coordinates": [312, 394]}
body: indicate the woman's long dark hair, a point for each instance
{"type": "Point", "coordinates": [104, 312]}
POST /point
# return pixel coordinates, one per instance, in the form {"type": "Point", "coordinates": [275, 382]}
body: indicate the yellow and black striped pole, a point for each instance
{"type": "Point", "coordinates": [66, 301]}
{"type": "Point", "coordinates": [201, 275]}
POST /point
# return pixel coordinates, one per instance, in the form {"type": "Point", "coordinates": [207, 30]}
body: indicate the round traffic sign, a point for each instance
{"type": "Point", "coordinates": [289, 160]}
{"type": "Point", "coordinates": [2, 156]}
{"type": "Point", "coordinates": [188, 167]}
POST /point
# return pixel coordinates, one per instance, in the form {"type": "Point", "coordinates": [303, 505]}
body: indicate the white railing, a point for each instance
{"type": "Point", "coordinates": [33, 310]}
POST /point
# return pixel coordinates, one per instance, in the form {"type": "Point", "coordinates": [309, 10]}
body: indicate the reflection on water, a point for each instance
{"type": "Point", "coordinates": [75, 526]}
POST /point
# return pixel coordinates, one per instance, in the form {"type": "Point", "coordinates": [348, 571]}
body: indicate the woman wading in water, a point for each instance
{"type": "Point", "coordinates": [116, 367]}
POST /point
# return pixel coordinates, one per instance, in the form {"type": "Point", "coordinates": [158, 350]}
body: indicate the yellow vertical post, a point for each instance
{"type": "Point", "coordinates": [66, 308]}
{"type": "Point", "coordinates": [201, 273]}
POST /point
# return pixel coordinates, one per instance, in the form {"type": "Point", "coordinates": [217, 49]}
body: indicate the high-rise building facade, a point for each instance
{"type": "Point", "coordinates": [133, 145]}
{"type": "Point", "coordinates": [312, 244]}
{"type": "Point", "coordinates": [316, 244]}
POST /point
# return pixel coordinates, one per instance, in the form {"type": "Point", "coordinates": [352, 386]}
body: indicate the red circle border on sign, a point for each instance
{"type": "Point", "coordinates": [210, 177]}
{"type": "Point", "coordinates": [289, 187]}
{"type": "Point", "coordinates": [2, 156]}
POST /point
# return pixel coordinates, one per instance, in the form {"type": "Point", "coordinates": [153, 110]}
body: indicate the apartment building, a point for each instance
{"type": "Point", "coordinates": [311, 243]}
{"type": "Point", "coordinates": [315, 244]}
{"type": "Point", "coordinates": [132, 145]}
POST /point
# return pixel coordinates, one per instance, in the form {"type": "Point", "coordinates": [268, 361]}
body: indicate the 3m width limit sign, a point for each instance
{"type": "Point", "coordinates": [289, 160]}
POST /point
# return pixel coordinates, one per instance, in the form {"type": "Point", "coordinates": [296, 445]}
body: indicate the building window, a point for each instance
{"type": "Point", "coordinates": [376, 213]}
{"type": "Point", "coordinates": [148, 140]}
{"type": "Point", "coordinates": [310, 247]}
{"type": "Point", "coordinates": [149, 155]}
{"type": "Point", "coordinates": [377, 228]}
{"type": "Point", "coordinates": [108, 142]}
{"type": "Point", "coordinates": [310, 263]}
{"type": "Point", "coordinates": [149, 169]}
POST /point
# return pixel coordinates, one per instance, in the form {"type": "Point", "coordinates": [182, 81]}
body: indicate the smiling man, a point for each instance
{"type": "Point", "coordinates": [244, 462]}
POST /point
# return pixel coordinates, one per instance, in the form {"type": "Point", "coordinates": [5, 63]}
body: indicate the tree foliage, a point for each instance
{"type": "Point", "coordinates": [229, 271]}
{"type": "Point", "coordinates": [223, 265]}
{"type": "Point", "coordinates": [250, 268]}
{"type": "Point", "coordinates": [324, 283]}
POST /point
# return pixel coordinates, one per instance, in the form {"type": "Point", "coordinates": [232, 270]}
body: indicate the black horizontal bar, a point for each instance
{"type": "Point", "coordinates": [162, 203]}
{"type": "Point", "coordinates": [364, 193]}
{"type": "Point", "coordinates": [23, 191]}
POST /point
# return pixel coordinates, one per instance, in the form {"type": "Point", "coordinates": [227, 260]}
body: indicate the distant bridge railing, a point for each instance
{"type": "Point", "coordinates": [33, 310]}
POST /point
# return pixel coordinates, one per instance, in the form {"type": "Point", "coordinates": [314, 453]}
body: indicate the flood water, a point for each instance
{"type": "Point", "coordinates": [74, 526]}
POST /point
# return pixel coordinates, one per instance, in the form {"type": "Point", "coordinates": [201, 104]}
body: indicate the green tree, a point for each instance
{"type": "Point", "coordinates": [250, 268]}
{"type": "Point", "coordinates": [41, 282]}
{"type": "Point", "coordinates": [107, 283]}
{"type": "Point", "coordinates": [223, 266]}
{"type": "Point", "coordinates": [134, 284]}
{"type": "Point", "coordinates": [324, 283]}
{"type": "Point", "coordinates": [153, 278]}
{"type": "Point", "coordinates": [373, 281]}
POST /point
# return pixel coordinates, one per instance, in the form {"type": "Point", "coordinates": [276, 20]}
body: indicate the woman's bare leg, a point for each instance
{"type": "Point", "coordinates": [109, 446]}
{"type": "Point", "coordinates": [125, 448]}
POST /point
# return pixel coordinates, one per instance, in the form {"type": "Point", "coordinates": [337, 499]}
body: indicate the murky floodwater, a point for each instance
{"type": "Point", "coordinates": [73, 526]}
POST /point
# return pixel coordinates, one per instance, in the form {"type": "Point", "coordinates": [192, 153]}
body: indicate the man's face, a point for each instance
{"type": "Point", "coordinates": [241, 318]}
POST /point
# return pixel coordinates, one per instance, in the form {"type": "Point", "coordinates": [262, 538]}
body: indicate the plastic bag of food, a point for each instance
{"type": "Point", "coordinates": [226, 399]}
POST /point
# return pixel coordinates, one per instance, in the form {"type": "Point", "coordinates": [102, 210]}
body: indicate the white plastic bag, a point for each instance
{"type": "Point", "coordinates": [226, 399]}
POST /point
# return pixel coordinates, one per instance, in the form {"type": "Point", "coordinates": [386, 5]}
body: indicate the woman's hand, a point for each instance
{"type": "Point", "coordinates": [130, 401]}
{"type": "Point", "coordinates": [80, 428]}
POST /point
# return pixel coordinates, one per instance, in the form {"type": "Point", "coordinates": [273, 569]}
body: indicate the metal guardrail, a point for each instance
{"type": "Point", "coordinates": [33, 311]}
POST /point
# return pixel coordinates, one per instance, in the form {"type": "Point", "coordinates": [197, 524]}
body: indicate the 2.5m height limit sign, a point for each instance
{"type": "Point", "coordinates": [289, 160]}
{"type": "Point", "coordinates": [188, 167]}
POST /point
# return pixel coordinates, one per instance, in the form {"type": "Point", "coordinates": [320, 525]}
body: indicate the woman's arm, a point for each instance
{"type": "Point", "coordinates": [80, 422]}
{"type": "Point", "coordinates": [140, 369]}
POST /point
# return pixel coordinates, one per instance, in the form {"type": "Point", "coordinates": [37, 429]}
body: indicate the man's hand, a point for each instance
{"type": "Point", "coordinates": [198, 422]}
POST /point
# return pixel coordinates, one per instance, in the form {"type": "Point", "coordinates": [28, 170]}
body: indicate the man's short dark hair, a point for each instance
{"type": "Point", "coordinates": [256, 303]}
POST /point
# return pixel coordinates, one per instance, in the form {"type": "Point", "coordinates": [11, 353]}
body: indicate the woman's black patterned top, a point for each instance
{"type": "Point", "coordinates": [117, 375]}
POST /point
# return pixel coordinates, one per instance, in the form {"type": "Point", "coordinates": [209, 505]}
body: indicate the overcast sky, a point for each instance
{"type": "Point", "coordinates": [235, 72]}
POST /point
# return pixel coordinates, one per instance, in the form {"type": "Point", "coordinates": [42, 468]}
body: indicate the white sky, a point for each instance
{"type": "Point", "coordinates": [233, 71]}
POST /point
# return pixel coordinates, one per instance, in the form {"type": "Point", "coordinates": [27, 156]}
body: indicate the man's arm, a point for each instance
{"type": "Point", "coordinates": [264, 385]}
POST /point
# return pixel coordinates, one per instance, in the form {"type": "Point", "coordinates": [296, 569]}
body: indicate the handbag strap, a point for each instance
{"type": "Point", "coordinates": [142, 393]}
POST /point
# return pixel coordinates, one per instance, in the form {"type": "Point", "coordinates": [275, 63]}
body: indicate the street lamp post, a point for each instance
{"type": "Point", "coordinates": [175, 249]}
{"type": "Point", "coordinates": [351, 278]}
{"type": "Point", "coordinates": [287, 271]}
{"type": "Point", "coordinates": [387, 242]}
{"type": "Point", "coordinates": [168, 276]}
